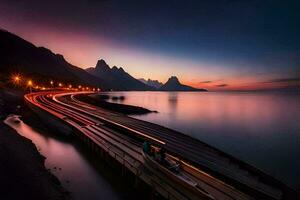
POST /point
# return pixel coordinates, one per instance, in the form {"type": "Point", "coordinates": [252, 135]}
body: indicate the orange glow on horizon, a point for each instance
{"type": "Point", "coordinates": [242, 83]}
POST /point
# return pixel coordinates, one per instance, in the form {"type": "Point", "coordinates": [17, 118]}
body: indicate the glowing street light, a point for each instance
{"type": "Point", "coordinates": [79, 86]}
{"type": "Point", "coordinates": [60, 84]}
{"type": "Point", "coordinates": [17, 78]}
{"type": "Point", "coordinates": [51, 82]}
{"type": "Point", "coordinates": [29, 83]}
{"type": "Point", "coordinates": [70, 86]}
{"type": "Point", "coordinates": [98, 89]}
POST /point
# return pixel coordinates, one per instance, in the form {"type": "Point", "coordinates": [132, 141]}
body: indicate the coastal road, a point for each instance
{"type": "Point", "coordinates": [220, 174]}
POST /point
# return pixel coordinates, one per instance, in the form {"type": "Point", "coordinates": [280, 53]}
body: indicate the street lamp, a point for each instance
{"type": "Point", "coordinates": [29, 84]}
{"type": "Point", "coordinates": [16, 79]}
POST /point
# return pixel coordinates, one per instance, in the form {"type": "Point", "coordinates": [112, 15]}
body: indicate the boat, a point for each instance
{"type": "Point", "coordinates": [172, 170]}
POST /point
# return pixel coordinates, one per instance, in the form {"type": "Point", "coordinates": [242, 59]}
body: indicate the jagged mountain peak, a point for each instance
{"type": "Point", "coordinates": [173, 79]}
{"type": "Point", "coordinates": [101, 61]}
{"type": "Point", "coordinates": [114, 68]}
{"type": "Point", "coordinates": [101, 64]}
{"type": "Point", "coordinates": [121, 69]}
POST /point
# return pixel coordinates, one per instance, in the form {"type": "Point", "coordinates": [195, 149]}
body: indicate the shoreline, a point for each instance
{"type": "Point", "coordinates": [22, 169]}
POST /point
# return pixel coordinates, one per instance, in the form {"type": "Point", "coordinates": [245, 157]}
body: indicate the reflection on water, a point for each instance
{"type": "Point", "coordinates": [173, 101]}
{"type": "Point", "coordinates": [67, 163]}
{"type": "Point", "coordinates": [260, 128]}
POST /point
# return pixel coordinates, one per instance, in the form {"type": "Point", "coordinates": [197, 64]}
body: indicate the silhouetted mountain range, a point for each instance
{"type": "Point", "coordinates": [117, 77]}
{"type": "Point", "coordinates": [20, 56]}
{"type": "Point", "coordinates": [173, 84]}
{"type": "Point", "coordinates": [153, 83]}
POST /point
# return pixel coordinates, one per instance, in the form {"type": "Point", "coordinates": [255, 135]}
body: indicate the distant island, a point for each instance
{"type": "Point", "coordinates": [19, 55]}
{"type": "Point", "coordinates": [173, 84]}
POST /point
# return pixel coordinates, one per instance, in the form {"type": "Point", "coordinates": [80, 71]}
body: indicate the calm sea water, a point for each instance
{"type": "Point", "coordinates": [261, 128]}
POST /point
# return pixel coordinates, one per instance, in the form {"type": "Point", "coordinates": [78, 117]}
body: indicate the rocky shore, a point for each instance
{"type": "Point", "coordinates": [22, 171]}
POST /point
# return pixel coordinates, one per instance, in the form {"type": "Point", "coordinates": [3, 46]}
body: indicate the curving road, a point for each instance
{"type": "Point", "coordinates": [219, 173]}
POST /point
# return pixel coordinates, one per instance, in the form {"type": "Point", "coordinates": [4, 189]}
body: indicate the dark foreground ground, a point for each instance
{"type": "Point", "coordinates": [22, 171]}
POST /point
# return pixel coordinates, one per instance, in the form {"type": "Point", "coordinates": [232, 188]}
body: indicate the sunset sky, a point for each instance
{"type": "Point", "coordinates": [219, 45]}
